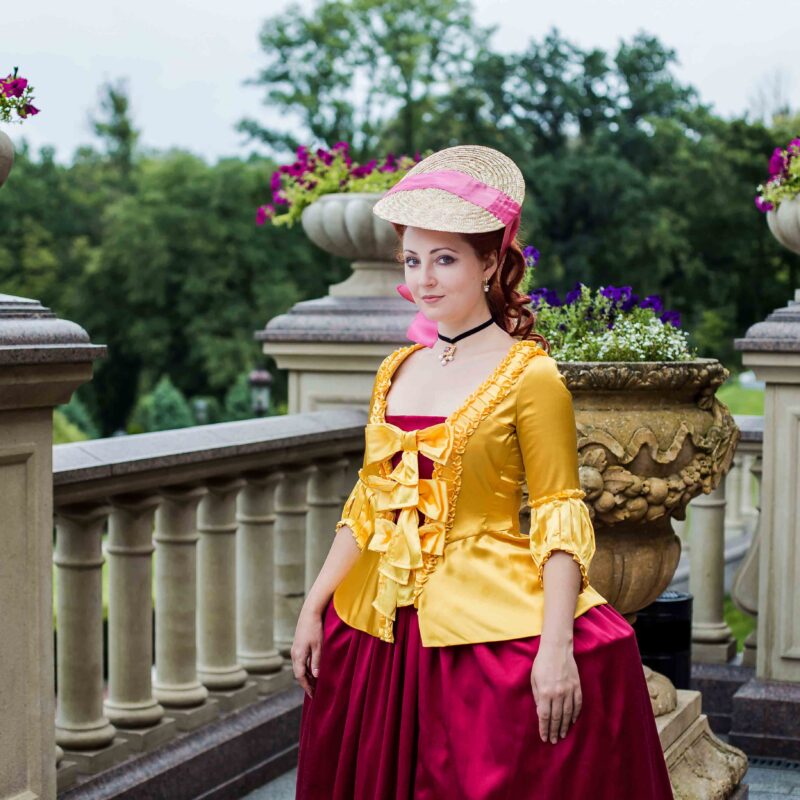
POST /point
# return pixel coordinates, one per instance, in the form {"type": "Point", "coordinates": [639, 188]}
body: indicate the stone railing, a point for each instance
{"type": "Point", "coordinates": [237, 518]}
{"type": "Point", "coordinates": [720, 542]}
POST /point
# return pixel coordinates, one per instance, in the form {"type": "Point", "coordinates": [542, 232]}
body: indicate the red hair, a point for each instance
{"type": "Point", "coordinates": [509, 308]}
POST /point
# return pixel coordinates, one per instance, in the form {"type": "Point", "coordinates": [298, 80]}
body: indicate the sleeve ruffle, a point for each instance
{"type": "Point", "coordinates": [561, 521]}
{"type": "Point", "coordinates": [357, 515]}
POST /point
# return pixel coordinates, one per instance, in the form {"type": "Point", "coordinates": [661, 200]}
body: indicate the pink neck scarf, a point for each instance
{"type": "Point", "coordinates": [423, 330]}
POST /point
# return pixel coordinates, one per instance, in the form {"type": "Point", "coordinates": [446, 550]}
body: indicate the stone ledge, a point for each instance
{"type": "Point", "coordinates": [221, 761]}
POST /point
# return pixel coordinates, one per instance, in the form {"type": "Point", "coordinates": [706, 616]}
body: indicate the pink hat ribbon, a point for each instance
{"type": "Point", "coordinates": [505, 208]}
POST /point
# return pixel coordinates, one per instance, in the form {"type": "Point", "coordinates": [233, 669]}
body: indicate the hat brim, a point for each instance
{"type": "Point", "coordinates": [435, 209]}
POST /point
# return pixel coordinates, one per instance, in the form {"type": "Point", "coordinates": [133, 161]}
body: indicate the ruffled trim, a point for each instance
{"type": "Point", "coordinates": [464, 421]}
{"type": "Point", "coordinates": [358, 515]}
{"type": "Point", "coordinates": [561, 521]}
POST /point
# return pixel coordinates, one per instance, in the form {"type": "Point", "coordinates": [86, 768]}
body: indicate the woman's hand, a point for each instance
{"type": "Point", "coordinates": [306, 647]}
{"type": "Point", "coordinates": [556, 689]}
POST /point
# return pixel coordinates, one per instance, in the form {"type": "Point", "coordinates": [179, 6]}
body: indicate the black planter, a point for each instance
{"type": "Point", "coordinates": [664, 634]}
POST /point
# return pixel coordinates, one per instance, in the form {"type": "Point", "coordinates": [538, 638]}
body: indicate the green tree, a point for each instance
{"type": "Point", "coordinates": [163, 409]}
{"type": "Point", "coordinates": [406, 56]}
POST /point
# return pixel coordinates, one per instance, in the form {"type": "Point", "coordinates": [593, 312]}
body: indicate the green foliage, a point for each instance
{"type": "Point", "coordinates": [579, 331]}
{"type": "Point", "coordinates": [163, 409]}
{"type": "Point", "coordinates": [741, 400]}
{"type": "Point", "coordinates": [237, 399]}
{"type": "Point", "coordinates": [76, 412]}
{"type": "Point", "coordinates": [630, 180]}
{"type": "Point", "coordinates": [64, 430]}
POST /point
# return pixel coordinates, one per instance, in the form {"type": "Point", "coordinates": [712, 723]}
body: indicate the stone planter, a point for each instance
{"type": "Point", "coordinates": [6, 156]}
{"type": "Point", "coordinates": [344, 225]}
{"type": "Point", "coordinates": [784, 222]}
{"type": "Point", "coordinates": [651, 436]}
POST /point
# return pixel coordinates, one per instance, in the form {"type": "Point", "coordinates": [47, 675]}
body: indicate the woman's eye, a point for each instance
{"type": "Point", "coordinates": [410, 259]}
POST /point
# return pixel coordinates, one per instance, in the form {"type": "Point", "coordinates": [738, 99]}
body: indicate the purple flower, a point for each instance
{"type": "Point", "coordinates": [275, 181]}
{"type": "Point", "coordinates": [777, 163]}
{"type": "Point", "coordinates": [264, 213]}
{"type": "Point", "coordinates": [13, 87]}
{"type": "Point", "coordinates": [343, 146]}
{"type": "Point", "coordinates": [573, 295]}
{"type": "Point", "coordinates": [28, 110]}
{"type": "Point", "coordinates": [324, 156]}
{"type": "Point", "coordinates": [549, 296]}
{"type": "Point", "coordinates": [531, 255]}
{"type": "Point", "coordinates": [652, 301]}
{"type": "Point", "coordinates": [763, 205]}
{"type": "Point", "coordinates": [671, 317]}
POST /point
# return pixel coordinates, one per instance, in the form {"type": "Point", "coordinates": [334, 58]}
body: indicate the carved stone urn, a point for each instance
{"type": "Point", "coordinates": [6, 156]}
{"type": "Point", "coordinates": [651, 436]}
{"type": "Point", "coordinates": [784, 223]}
{"type": "Point", "coordinates": [344, 225]}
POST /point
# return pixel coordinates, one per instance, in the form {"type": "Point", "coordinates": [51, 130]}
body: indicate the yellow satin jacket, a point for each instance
{"type": "Point", "coordinates": [472, 575]}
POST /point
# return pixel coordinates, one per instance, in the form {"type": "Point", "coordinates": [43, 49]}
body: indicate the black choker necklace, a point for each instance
{"type": "Point", "coordinates": [449, 352]}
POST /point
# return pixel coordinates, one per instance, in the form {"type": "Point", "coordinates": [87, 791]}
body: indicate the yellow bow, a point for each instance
{"type": "Point", "coordinates": [403, 542]}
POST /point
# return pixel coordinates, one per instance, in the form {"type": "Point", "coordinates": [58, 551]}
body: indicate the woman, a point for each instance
{"type": "Point", "coordinates": [444, 653]}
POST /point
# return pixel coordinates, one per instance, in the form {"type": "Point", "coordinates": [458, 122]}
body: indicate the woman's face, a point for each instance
{"type": "Point", "coordinates": [444, 274]}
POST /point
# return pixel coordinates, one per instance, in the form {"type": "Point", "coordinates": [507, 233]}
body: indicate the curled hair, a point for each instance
{"type": "Point", "coordinates": [509, 308]}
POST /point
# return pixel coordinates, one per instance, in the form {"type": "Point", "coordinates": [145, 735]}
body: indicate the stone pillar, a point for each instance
{"type": "Point", "coordinates": [323, 513]}
{"type": "Point", "coordinates": [176, 685]}
{"type": "Point", "coordinates": [291, 506]}
{"type": "Point", "coordinates": [255, 563]}
{"type": "Point", "coordinates": [772, 350]}
{"type": "Point", "coordinates": [42, 361]}
{"type": "Point", "coordinates": [712, 641]}
{"type": "Point", "coordinates": [216, 597]}
{"type": "Point", "coordinates": [332, 346]}
{"type": "Point", "coordinates": [130, 704]}
{"type": "Point", "coordinates": [766, 710]}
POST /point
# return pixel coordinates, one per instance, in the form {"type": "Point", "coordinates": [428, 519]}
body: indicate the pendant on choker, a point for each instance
{"type": "Point", "coordinates": [450, 350]}
{"type": "Point", "coordinates": [447, 354]}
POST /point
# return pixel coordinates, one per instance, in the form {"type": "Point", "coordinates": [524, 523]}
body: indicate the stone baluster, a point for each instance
{"type": "Point", "coordinates": [218, 667]}
{"type": "Point", "coordinates": [82, 729]}
{"type": "Point", "coordinates": [712, 641]}
{"type": "Point", "coordinates": [291, 506]}
{"type": "Point", "coordinates": [749, 510]}
{"type": "Point", "coordinates": [734, 522]}
{"type": "Point", "coordinates": [324, 506]}
{"type": "Point", "coordinates": [131, 705]}
{"type": "Point", "coordinates": [255, 564]}
{"type": "Point", "coordinates": [176, 685]}
{"type": "Point", "coordinates": [744, 591]}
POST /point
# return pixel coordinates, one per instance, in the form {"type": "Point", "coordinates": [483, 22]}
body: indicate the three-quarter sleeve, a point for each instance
{"type": "Point", "coordinates": [547, 438]}
{"type": "Point", "coordinates": [357, 515]}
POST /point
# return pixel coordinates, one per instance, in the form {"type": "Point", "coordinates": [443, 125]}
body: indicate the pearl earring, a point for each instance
{"type": "Point", "coordinates": [485, 284]}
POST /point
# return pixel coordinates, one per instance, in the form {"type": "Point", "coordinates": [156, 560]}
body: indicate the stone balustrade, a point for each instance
{"type": "Point", "coordinates": [238, 518]}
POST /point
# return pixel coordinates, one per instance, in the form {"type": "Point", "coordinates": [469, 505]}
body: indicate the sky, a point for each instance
{"type": "Point", "coordinates": [186, 61]}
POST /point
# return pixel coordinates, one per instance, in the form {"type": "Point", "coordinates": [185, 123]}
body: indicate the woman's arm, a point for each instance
{"type": "Point", "coordinates": [562, 537]}
{"type": "Point", "coordinates": [307, 644]}
{"type": "Point", "coordinates": [343, 554]}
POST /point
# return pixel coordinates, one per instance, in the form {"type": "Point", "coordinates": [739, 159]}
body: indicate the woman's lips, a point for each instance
{"type": "Point", "coordinates": [432, 299]}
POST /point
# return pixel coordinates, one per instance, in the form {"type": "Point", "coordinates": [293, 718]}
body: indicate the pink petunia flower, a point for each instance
{"type": "Point", "coordinates": [777, 163]}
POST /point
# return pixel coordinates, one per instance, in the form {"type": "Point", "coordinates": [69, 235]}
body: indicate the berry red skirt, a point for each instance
{"type": "Point", "coordinates": [403, 721]}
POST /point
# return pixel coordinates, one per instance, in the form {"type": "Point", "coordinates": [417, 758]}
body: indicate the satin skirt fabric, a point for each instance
{"type": "Point", "coordinates": [391, 721]}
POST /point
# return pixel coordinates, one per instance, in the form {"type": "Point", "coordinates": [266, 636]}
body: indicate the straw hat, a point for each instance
{"type": "Point", "coordinates": [441, 210]}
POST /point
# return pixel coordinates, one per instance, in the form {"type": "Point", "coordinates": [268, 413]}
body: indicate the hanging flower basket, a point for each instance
{"type": "Point", "coordinates": [779, 197]}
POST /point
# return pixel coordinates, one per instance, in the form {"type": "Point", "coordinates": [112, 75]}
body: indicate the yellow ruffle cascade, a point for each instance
{"type": "Point", "coordinates": [402, 542]}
